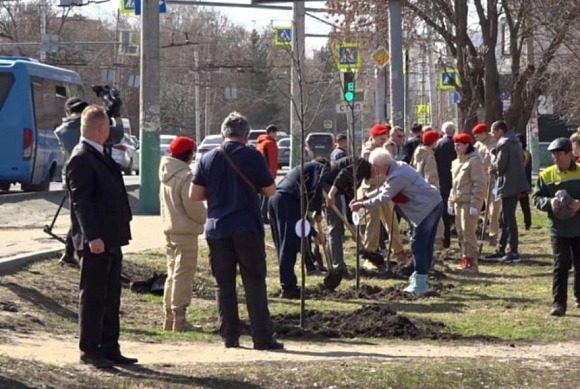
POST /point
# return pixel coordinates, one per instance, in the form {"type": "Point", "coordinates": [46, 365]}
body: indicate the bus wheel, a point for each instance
{"type": "Point", "coordinates": [5, 186]}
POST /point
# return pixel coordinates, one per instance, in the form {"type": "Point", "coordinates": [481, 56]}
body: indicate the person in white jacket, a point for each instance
{"type": "Point", "coordinates": [183, 221]}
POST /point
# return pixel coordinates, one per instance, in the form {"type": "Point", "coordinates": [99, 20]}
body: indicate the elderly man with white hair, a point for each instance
{"type": "Point", "coordinates": [419, 202]}
{"type": "Point", "coordinates": [445, 155]}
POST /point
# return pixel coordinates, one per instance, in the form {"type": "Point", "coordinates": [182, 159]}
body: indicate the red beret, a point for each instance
{"type": "Point", "coordinates": [429, 137]}
{"type": "Point", "coordinates": [379, 129]}
{"type": "Point", "coordinates": [462, 138]}
{"type": "Point", "coordinates": [180, 145]}
{"type": "Point", "coordinates": [479, 128]}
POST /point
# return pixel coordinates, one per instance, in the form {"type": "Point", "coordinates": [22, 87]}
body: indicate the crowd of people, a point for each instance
{"type": "Point", "coordinates": [442, 184]}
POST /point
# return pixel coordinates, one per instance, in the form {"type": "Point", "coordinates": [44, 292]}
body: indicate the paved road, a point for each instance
{"type": "Point", "coordinates": [57, 186]}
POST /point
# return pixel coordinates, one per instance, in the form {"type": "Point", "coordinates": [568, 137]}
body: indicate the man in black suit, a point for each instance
{"type": "Point", "coordinates": [100, 217]}
{"type": "Point", "coordinates": [412, 143]}
{"type": "Point", "coordinates": [445, 155]}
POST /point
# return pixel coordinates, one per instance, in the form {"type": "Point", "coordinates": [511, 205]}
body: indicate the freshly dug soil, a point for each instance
{"type": "Point", "coordinates": [397, 272]}
{"type": "Point", "coordinates": [374, 292]}
{"type": "Point", "coordinates": [374, 321]}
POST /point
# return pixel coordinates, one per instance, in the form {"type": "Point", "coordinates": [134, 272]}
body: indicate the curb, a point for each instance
{"type": "Point", "coordinates": [23, 196]}
{"type": "Point", "coordinates": [12, 264]}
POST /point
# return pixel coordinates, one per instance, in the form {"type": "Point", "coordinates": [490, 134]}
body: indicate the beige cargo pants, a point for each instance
{"type": "Point", "coordinates": [383, 213]}
{"type": "Point", "coordinates": [466, 226]}
{"type": "Point", "coordinates": [181, 253]}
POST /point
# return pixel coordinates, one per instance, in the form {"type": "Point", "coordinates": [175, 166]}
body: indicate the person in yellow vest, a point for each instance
{"type": "Point", "coordinates": [484, 145]}
{"type": "Point", "coordinates": [424, 162]}
{"type": "Point", "coordinates": [466, 199]}
{"type": "Point", "coordinates": [378, 137]}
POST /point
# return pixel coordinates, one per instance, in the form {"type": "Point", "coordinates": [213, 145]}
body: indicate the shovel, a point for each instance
{"type": "Point", "coordinates": [333, 277]}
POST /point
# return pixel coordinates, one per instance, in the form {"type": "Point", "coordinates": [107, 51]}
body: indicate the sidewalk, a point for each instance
{"type": "Point", "coordinates": [21, 224]}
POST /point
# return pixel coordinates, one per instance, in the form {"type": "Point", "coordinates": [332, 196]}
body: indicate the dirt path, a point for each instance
{"type": "Point", "coordinates": [63, 350]}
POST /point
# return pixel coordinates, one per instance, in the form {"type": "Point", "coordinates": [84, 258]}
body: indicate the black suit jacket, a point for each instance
{"type": "Point", "coordinates": [409, 149]}
{"type": "Point", "coordinates": [445, 155]}
{"type": "Point", "coordinates": [99, 203]}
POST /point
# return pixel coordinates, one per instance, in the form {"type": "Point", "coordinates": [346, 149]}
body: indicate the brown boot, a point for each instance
{"type": "Point", "coordinates": [180, 323]}
{"type": "Point", "coordinates": [168, 323]}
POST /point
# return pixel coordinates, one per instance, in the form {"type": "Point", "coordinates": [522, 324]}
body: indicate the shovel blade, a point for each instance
{"type": "Point", "coordinates": [332, 280]}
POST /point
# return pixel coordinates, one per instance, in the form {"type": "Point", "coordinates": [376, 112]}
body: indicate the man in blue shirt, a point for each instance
{"type": "Point", "coordinates": [341, 149]}
{"type": "Point", "coordinates": [284, 212]}
{"type": "Point", "coordinates": [230, 178]}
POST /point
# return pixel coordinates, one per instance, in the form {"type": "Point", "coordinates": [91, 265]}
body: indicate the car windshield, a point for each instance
{"type": "Point", "coordinates": [284, 143]}
{"type": "Point", "coordinates": [255, 134]}
{"type": "Point", "coordinates": [320, 141]}
{"type": "Point", "coordinates": [166, 140]}
{"type": "Point", "coordinates": [212, 141]}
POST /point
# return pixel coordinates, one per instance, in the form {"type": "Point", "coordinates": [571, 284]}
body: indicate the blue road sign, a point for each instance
{"type": "Point", "coordinates": [454, 97]}
{"type": "Point", "coordinates": [162, 7]}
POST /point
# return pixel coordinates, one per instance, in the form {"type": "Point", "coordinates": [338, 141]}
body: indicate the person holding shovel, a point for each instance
{"type": "Point", "coordinates": [466, 199]}
{"type": "Point", "coordinates": [419, 202]}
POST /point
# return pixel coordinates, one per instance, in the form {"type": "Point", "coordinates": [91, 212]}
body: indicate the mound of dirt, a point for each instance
{"type": "Point", "coordinates": [371, 321]}
{"type": "Point", "coordinates": [397, 272]}
{"type": "Point", "coordinates": [374, 292]}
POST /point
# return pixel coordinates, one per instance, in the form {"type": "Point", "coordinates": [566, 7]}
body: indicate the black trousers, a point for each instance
{"type": "Point", "coordinates": [247, 251]}
{"type": "Point", "coordinates": [99, 301]}
{"type": "Point", "coordinates": [525, 206]}
{"type": "Point", "coordinates": [69, 247]}
{"type": "Point", "coordinates": [508, 225]}
{"type": "Point", "coordinates": [566, 253]}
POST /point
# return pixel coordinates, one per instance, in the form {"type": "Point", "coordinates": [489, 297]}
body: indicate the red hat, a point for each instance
{"type": "Point", "coordinates": [180, 145]}
{"type": "Point", "coordinates": [479, 128]}
{"type": "Point", "coordinates": [379, 129]}
{"type": "Point", "coordinates": [429, 137]}
{"type": "Point", "coordinates": [462, 138]}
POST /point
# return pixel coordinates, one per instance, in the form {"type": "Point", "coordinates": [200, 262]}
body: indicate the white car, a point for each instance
{"type": "Point", "coordinates": [125, 154]}
{"type": "Point", "coordinates": [164, 142]}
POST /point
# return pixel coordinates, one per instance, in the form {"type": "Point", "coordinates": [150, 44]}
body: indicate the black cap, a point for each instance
{"type": "Point", "coordinates": [74, 102]}
{"type": "Point", "coordinates": [341, 137]}
{"type": "Point", "coordinates": [560, 144]}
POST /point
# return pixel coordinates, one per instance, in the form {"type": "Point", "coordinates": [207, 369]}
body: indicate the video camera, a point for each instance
{"type": "Point", "coordinates": [112, 103]}
{"type": "Point", "coordinates": [111, 99]}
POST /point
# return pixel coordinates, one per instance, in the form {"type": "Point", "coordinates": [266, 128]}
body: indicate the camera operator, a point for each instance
{"type": "Point", "coordinates": [68, 135]}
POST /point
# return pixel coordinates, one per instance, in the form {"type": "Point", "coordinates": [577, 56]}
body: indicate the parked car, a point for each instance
{"type": "Point", "coordinates": [320, 144]}
{"type": "Point", "coordinates": [209, 143]}
{"type": "Point", "coordinates": [137, 156]}
{"type": "Point", "coordinates": [164, 142]}
{"type": "Point", "coordinates": [124, 153]}
{"type": "Point", "coordinates": [284, 152]}
{"type": "Point", "coordinates": [253, 137]}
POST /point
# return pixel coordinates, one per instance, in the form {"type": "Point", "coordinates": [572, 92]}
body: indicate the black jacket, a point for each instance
{"type": "Point", "coordinates": [99, 203]}
{"type": "Point", "coordinates": [340, 175]}
{"type": "Point", "coordinates": [409, 149]}
{"type": "Point", "coordinates": [313, 181]}
{"type": "Point", "coordinates": [445, 154]}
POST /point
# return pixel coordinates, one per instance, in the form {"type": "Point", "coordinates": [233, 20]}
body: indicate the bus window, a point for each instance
{"type": "Point", "coordinates": [6, 82]}
{"type": "Point", "coordinates": [60, 92]}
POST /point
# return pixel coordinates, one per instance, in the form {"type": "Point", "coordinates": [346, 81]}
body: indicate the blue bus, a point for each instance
{"type": "Point", "coordinates": [32, 97]}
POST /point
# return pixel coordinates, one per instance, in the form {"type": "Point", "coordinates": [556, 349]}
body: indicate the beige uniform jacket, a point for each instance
{"type": "Point", "coordinates": [424, 162]}
{"type": "Point", "coordinates": [484, 149]}
{"type": "Point", "coordinates": [179, 214]}
{"type": "Point", "coordinates": [469, 181]}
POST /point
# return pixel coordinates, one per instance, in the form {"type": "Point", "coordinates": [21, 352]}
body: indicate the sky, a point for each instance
{"type": "Point", "coordinates": [248, 17]}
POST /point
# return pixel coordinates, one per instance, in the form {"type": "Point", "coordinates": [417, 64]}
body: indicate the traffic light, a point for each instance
{"type": "Point", "coordinates": [349, 86]}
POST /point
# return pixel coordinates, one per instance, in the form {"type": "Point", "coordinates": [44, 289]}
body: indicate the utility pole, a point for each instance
{"type": "Point", "coordinates": [149, 115]}
{"type": "Point", "coordinates": [207, 106]}
{"type": "Point", "coordinates": [396, 54]}
{"type": "Point", "coordinates": [198, 137]}
{"type": "Point", "coordinates": [298, 52]}
{"type": "Point", "coordinates": [42, 6]}
{"type": "Point", "coordinates": [380, 99]}
{"type": "Point", "coordinates": [533, 130]}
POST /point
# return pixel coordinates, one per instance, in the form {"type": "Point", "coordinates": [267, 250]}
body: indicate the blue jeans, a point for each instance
{"type": "Point", "coordinates": [424, 240]}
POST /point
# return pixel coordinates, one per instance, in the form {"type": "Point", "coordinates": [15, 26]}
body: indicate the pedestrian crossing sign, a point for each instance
{"type": "Point", "coordinates": [127, 6]}
{"type": "Point", "coordinates": [282, 36]}
{"type": "Point", "coordinates": [448, 79]}
{"type": "Point", "coordinates": [423, 113]}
